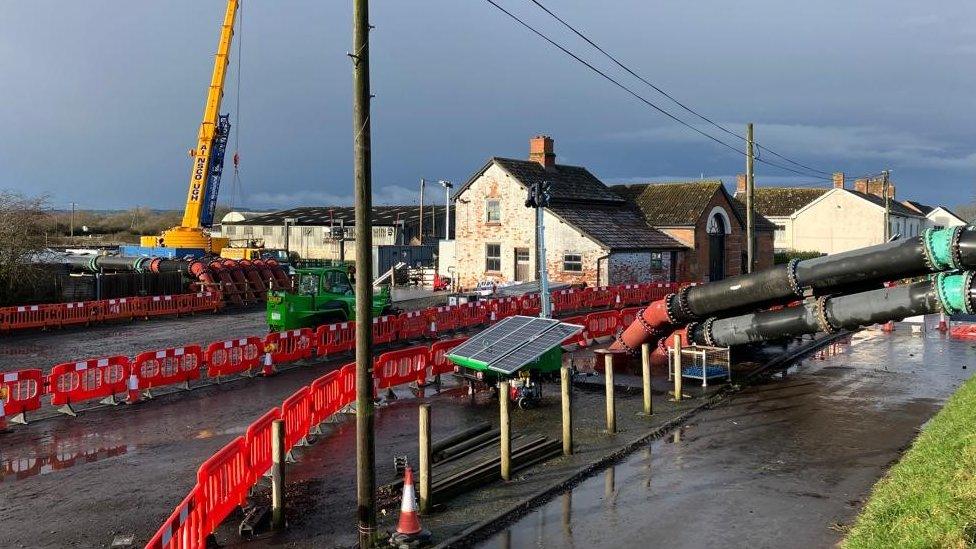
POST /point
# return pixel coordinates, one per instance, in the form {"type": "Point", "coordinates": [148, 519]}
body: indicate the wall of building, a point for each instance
{"type": "Point", "coordinates": [841, 221]}
{"type": "Point", "coordinates": [939, 218]}
{"type": "Point", "coordinates": [310, 242]}
{"type": "Point", "coordinates": [638, 267]}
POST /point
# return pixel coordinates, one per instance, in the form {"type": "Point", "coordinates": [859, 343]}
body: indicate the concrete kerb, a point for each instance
{"type": "Point", "coordinates": [499, 521]}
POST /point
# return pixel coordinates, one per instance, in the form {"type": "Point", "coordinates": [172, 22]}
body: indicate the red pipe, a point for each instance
{"type": "Point", "coordinates": [238, 275]}
{"type": "Point", "coordinates": [281, 278]}
{"type": "Point", "coordinates": [254, 277]}
{"type": "Point", "coordinates": [266, 274]}
{"type": "Point", "coordinates": [652, 324]}
{"type": "Point", "coordinates": [229, 287]}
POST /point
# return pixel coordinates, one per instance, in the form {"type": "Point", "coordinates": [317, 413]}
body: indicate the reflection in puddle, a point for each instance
{"type": "Point", "coordinates": [26, 467]}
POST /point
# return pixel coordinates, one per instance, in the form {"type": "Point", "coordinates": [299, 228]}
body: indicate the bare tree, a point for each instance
{"type": "Point", "coordinates": [22, 223]}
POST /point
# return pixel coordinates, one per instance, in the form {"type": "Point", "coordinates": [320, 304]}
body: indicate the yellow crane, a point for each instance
{"type": "Point", "coordinates": [208, 160]}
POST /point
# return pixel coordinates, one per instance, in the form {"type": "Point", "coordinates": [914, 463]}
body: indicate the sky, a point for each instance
{"type": "Point", "coordinates": [100, 100]}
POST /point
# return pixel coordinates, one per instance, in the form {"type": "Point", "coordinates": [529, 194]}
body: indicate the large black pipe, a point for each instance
{"type": "Point", "coordinates": [827, 314]}
{"type": "Point", "coordinates": [98, 263]}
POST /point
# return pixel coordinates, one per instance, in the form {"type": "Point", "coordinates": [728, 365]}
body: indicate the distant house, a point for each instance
{"type": "Point", "coordinates": [936, 217]}
{"type": "Point", "coordinates": [592, 235]}
{"type": "Point", "coordinates": [705, 218]}
{"type": "Point", "coordinates": [838, 219]}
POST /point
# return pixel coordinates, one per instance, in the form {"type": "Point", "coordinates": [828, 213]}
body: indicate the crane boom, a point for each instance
{"type": "Point", "coordinates": [202, 155]}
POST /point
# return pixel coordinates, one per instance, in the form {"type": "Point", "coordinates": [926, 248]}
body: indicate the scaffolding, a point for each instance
{"type": "Point", "coordinates": [702, 362]}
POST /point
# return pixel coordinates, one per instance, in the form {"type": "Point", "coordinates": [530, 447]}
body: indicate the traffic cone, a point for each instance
{"type": "Point", "coordinates": [133, 385]}
{"type": "Point", "coordinates": [888, 326]}
{"type": "Point", "coordinates": [3, 414]}
{"type": "Point", "coordinates": [268, 369]}
{"type": "Point", "coordinates": [943, 325]}
{"type": "Point", "coordinates": [409, 533]}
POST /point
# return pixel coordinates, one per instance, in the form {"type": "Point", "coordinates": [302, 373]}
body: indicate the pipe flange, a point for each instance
{"type": "Point", "coordinates": [955, 252]}
{"type": "Point", "coordinates": [670, 302]}
{"type": "Point", "coordinates": [643, 322]}
{"type": "Point", "coordinates": [792, 278]}
{"type": "Point", "coordinates": [707, 331]}
{"type": "Point", "coordinates": [627, 348]}
{"type": "Point", "coordinates": [927, 249]}
{"type": "Point", "coordinates": [822, 321]}
{"type": "Point", "coordinates": [690, 329]}
{"type": "Point", "coordinates": [968, 285]}
{"type": "Point", "coordinates": [683, 302]}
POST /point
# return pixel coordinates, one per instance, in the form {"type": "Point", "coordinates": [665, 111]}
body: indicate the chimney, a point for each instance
{"type": "Point", "coordinates": [839, 180]}
{"type": "Point", "coordinates": [861, 185]}
{"type": "Point", "coordinates": [875, 186]}
{"type": "Point", "coordinates": [541, 151]}
{"type": "Point", "coordinates": [740, 184]}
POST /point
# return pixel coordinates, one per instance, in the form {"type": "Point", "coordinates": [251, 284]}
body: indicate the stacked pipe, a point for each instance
{"type": "Point", "coordinates": [845, 274]}
{"type": "Point", "coordinates": [240, 281]}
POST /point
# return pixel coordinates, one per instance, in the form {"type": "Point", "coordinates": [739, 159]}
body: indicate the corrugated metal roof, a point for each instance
{"type": "Point", "coordinates": [324, 215]}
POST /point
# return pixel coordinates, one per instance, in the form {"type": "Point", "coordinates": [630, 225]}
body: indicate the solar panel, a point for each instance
{"type": "Point", "coordinates": [534, 348]}
{"type": "Point", "coordinates": [514, 342]}
{"type": "Point", "coordinates": [489, 336]}
{"type": "Point", "coordinates": [513, 339]}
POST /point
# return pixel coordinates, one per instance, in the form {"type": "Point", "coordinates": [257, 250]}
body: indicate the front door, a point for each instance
{"type": "Point", "coordinates": [716, 248]}
{"type": "Point", "coordinates": [522, 273]}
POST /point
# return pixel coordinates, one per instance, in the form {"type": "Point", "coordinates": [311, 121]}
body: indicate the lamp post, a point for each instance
{"type": "Point", "coordinates": [539, 199]}
{"type": "Point", "coordinates": [447, 207]}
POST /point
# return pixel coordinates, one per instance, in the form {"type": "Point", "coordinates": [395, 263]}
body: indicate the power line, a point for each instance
{"type": "Point", "coordinates": [637, 95]}
{"type": "Point", "coordinates": [668, 95]}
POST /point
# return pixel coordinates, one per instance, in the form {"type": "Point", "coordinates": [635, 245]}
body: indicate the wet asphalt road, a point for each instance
{"type": "Point", "coordinates": [784, 464]}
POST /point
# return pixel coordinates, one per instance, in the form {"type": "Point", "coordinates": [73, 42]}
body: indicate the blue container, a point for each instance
{"type": "Point", "coordinates": [167, 253]}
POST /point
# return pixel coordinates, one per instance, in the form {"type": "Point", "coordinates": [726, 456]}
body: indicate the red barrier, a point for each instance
{"type": "Point", "coordinates": [469, 314]}
{"type": "Point", "coordinates": [233, 356]}
{"type": "Point", "coordinates": [166, 367]}
{"type": "Point", "coordinates": [224, 481]}
{"type": "Point", "coordinates": [628, 295]}
{"type": "Point", "coordinates": [98, 378]}
{"type": "Point", "coordinates": [442, 319]}
{"type": "Point", "coordinates": [561, 302]}
{"type": "Point", "coordinates": [335, 338]}
{"type": "Point", "coordinates": [257, 442]}
{"type": "Point", "coordinates": [23, 389]}
{"type": "Point", "coordinates": [121, 309]}
{"type": "Point", "coordinates": [83, 312]}
{"type": "Point", "coordinates": [384, 329]}
{"type": "Point", "coordinates": [601, 297]}
{"type": "Point", "coordinates": [601, 325]}
{"type": "Point", "coordinates": [347, 384]}
{"type": "Point", "coordinates": [529, 305]}
{"type": "Point", "coordinates": [439, 363]}
{"type": "Point", "coordinates": [628, 316]}
{"type": "Point", "coordinates": [32, 316]}
{"type": "Point", "coordinates": [413, 325]}
{"type": "Point", "coordinates": [200, 301]}
{"type": "Point", "coordinates": [400, 367]}
{"type": "Point", "coordinates": [296, 410]}
{"type": "Point", "coordinates": [326, 394]}
{"type": "Point", "coordinates": [502, 307]}
{"type": "Point", "coordinates": [290, 345]}
{"type": "Point", "coordinates": [161, 305]}
{"type": "Point", "coordinates": [580, 339]}
{"type": "Point", "coordinates": [185, 528]}
{"type": "Point", "coordinates": [658, 291]}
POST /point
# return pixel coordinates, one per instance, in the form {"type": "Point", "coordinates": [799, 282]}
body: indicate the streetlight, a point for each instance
{"type": "Point", "coordinates": [447, 207]}
{"type": "Point", "coordinates": [539, 199]}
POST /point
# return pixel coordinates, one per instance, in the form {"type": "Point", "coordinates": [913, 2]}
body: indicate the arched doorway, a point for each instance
{"type": "Point", "coordinates": [716, 229]}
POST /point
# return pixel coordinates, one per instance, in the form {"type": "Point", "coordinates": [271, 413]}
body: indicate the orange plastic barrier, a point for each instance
{"type": "Point", "coordinates": [83, 312]}
{"type": "Point", "coordinates": [326, 394]}
{"type": "Point", "coordinates": [628, 316]}
{"type": "Point", "coordinates": [185, 528]}
{"type": "Point", "coordinates": [600, 297]}
{"type": "Point", "coordinates": [384, 329]}
{"type": "Point", "coordinates": [628, 295]}
{"type": "Point", "coordinates": [529, 305]}
{"type": "Point", "coordinates": [166, 367]}
{"type": "Point", "coordinates": [97, 378]}
{"type": "Point", "coordinates": [439, 363]}
{"type": "Point", "coordinates": [290, 345]}
{"type": "Point", "coordinates": [223, 481]}
{"type": "Point", "coordinates": [32, 316]}
{"type": "Point", "coordinates": [200, 301]}
{"type": "Point", "coordinates": [654, 292]}
{"type": "Point", "coordinates": [257, 442]}
{"type": "Point", "coordinates": [502, 307]}
{"type": "Point", "coordinates": [161, 305]}
{"type": "Point", "coordinates": [233, 356]}
{"type": "Point", "coordinates": [347, 383]}
{"type": "Point", "coordinates": [413, 325]}
{"type": "Point", "coordinates": [580, 339]}
{"type": "Point", "coordinates": [296, 410]}
{"type": "Point", "coordinates": [963, 331]}
{"type": "Point", "coordinates": [24, 389]}
{"type": "Point", "coordinates": [335, 338]}
{"type": "Point", "coordinates": [561, 302]}
{"type": "Point", "coordinates": [399, 367]}
{"type": "Point", "coordinates": [469, 314]}
{"type": "Point", "coordinates": [442, 319]}
{"type": "Point", "coordinates": [601, 325]}
{"type": "Point", "coordinates": [121, 309]}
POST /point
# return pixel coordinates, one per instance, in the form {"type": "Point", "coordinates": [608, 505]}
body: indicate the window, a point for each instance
{"type": "Point", "coordinates": [493, 257]}
{"type": "Point", "coordinates": [657, 261]}
{"type": "Point", "coordinates": [493, 210]}
{"type": "Point", "coordinates": [266, 230]}
{"type": "Point", "coordinates": [573, 263]}
{"type": "Point", "coordinates": [248, 230]}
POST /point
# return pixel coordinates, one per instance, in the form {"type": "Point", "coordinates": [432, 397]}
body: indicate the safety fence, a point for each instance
{"type": "Point", "coordinates": [84, 313]}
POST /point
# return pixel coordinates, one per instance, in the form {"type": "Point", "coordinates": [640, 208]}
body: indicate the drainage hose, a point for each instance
{"type": "Point", "coordinates": [951, 293]}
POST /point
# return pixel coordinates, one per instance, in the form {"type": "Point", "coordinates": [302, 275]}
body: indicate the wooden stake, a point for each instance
{"type": "Point", "coordinates": [506, 432]}
{"type": "Point", "coordinates": [567, 401]}
{"type": "Point", "coordinates": [677, 367]}
{"type": "Point", "coordinates": [425, 458]}
{"type": "Point", "coordinates": [646, 378]}
{"type": "Point", "coordinates": [611, 404]}
{"type": "Point", "coordinates": [278, 475]}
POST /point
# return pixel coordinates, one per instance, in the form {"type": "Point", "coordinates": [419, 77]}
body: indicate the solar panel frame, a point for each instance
{"type": "Point", "coordinates": [484, 339]}
{"type": "Point", "coordinates": [534, 348]}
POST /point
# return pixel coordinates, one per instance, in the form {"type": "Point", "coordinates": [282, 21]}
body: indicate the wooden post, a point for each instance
{"type": "Point", "coordinates": [646, 378]}
{"type": "Point", "coordinates": [506, 431]}
{"type": "Point", "coordinates": [750, 201]}
{"type": "Point", "coordinates": [425, 458]}
{"type": "Point", "coordinates": [567, 400]}
{"type": "Point", "coordinates": [278, 475]}
{"type": "Point", "coordinates": [677, 367]}
{"type": "Point", "coordinates": [611, 405]}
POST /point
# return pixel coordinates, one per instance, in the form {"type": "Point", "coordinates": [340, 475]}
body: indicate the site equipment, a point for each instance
{"type": "Point", "coordinates": [522, 349]}
{"type": "Point", "coordinates": [320, 295]}
{"type": "Point", "coordinates": [208, 162]}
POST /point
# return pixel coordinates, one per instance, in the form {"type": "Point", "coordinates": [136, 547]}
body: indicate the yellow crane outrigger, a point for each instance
{"type": "Point", "coordinates": [208, 160]}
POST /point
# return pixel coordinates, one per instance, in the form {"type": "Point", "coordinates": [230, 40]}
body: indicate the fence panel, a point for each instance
{"type": "Point", "coordinates": [580, 339]}
{"type": "Point", "coordinates": [442, 319]}
{"type": "Point", "coordinates": [224, 481]}
{"type": "Point", "coordinates": [161, 305]}
{"type": "Point", "coordinates": [326, 394]}
{"type": "Point", "coordinates": [469, 314]}
{"type": "Point", "coordinates": [628, 316]}
{"type": "Point", "coordinates": [24, 389]}
{"type": "Point", "coordinates": [335, 338]}
{"type": "Point", "coordinates": [185, 528]}
{"type": "Point", "coordinates": [257, 441]}
{"type": "Point", "coordinates": [439, 363]}
{"type": "Point", "coordinates": [82, 312]}
{"type": "Point", "coordinates": [601, 297]}
{"type": "Point", "coordinates": [400, 367]}
{"type": "Point", "coordinates": [502, 307]}
{"type": "Point", "coordinates": [602, 325]}
{"type": "Point", "coordinates": [233, 356]}
{"type": "Point", "coordinates": [296, 410]}
{"type": "Point", "coordinates": [413, 325]}
{"type": "Point", "coordinates": [166, 367]}
{"type": "Point", "coordinates": [289, 345]}
{"type": "Point", "coordinates": [529, 305]}
{"type": "Point", "coordinates": [97, 378]}
{"type": "Point", "coordinates": [384, 329]}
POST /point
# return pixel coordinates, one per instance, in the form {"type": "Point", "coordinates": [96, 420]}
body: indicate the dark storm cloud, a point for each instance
{"type": "Point", "coordinates": [101, 99]}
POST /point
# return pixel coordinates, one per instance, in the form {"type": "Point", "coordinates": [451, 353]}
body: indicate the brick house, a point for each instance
{"type": "Point", "coordinates": [705, 218]}
{"type": "Point", "coordinates": [592, 235]}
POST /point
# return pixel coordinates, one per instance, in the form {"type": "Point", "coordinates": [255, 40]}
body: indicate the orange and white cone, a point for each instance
{"type": "Point", "coordinates": [268, 369]}
{"type": "Point", "coordinates": [409, 533]}
{"type": "Point", "coordinates": [943, 325]}
{"type": "Point", "coordinates": [888, 326]}
{"type": "Point", "coordinates": [3, 414]}
{"type": "Point", "coordinates": [133, 386]}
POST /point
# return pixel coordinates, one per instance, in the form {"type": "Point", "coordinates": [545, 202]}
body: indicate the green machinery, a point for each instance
{"type": "Point", "coordinates": [522, 349]}
{"type": "Point", "coordinates": [321, 295]}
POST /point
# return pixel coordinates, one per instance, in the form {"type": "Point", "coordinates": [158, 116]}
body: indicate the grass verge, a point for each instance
{"type": "Point", "coordinates": [928, 499]}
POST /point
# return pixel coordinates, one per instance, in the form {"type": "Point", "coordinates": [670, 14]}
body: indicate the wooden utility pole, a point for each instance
{"type": "Point", "coordinates": [423, 182]}
{"type": "Point", "coordinates": [365, 444]}
{"type": "Point", "coordinates": [505, 430]}
{"type": "Point", "coordinates": [566, 387]}
{"type": "Point", "coordinates": [72, 230]}
{"type": "Point", "coordinates": [887, 205]}
{"type": "Point", "coordinates": [750, 202]}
